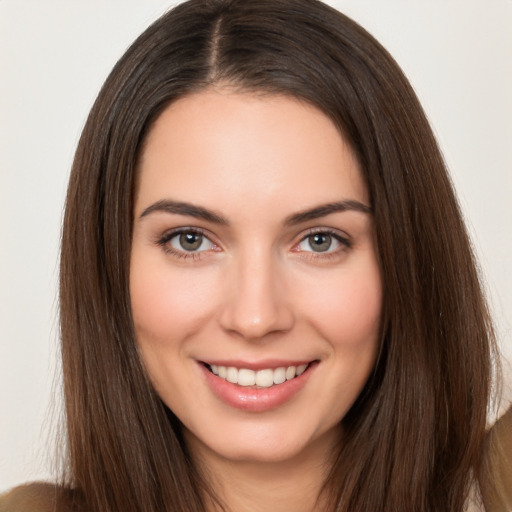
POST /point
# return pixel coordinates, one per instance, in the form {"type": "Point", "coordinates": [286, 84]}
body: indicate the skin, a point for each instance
{"type": "Point", "coordinates": [257, 288]}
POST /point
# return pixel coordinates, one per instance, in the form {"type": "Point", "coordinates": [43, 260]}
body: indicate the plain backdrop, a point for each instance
{"type": "Point", "coordinates": [54, 56]}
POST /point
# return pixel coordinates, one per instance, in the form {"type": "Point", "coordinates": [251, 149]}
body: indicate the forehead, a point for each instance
{"type": "Point", "coordinates": [217, 145]}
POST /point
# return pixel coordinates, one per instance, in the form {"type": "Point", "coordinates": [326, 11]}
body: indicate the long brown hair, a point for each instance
{"type": "Point", "coordinates": [413, 439]}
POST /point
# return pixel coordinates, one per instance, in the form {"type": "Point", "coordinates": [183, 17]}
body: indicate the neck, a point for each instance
{"type": "Point", "coordinates": [259, 486]}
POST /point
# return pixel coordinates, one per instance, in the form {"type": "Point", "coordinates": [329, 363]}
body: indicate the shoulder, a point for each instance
{"type": "Point", "coordinates": [496, 478]}
{"type": "Point", "coordinates": [37, 497]}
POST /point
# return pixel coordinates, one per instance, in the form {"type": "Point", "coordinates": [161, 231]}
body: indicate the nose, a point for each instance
{"type": "Point", "coordinates": [256, 303]}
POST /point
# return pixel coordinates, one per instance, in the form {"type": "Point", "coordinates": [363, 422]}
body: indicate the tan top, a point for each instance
{"type": "Point", "coordinates": [36, 497]}
{"type": "Point", "coordinates": [496, 481]}
{"type": "Point", "coordinates": [497, 471]}
{"type": "Point", "coordinates": [40, 497]}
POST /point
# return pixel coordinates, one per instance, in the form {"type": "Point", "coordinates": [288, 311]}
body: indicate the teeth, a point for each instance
{"type": "Point", "coordinates": [265, 378]}
{"type": "Point", "coordinates": [246, 377]}
{"type": "Point", "coordinates": [232, 375]}
{"type": "Point", "coordinates": [261, 378]}
{"type": "Point", "coordinates": [279, 375]}
{"type": "Point", "coordinates": [290, 372]}
{"type": "Point", "coordinates": [301, 369]}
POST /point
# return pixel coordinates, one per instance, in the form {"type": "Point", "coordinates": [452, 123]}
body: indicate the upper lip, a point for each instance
{"type": "Point", "coordinates": [257, 365]}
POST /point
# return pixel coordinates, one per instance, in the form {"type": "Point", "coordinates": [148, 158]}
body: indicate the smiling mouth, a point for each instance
{"type": "Point", "coordinates": [264, 378]}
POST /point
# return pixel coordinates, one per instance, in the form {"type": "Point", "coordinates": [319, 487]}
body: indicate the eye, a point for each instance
{"type": "Point", "coordinates": [322, 242]}
{"type": "Point", "coordinates": [318, 242]}
{"type": "Point", "coordinates": [190, 241]}
{"type": "Point", "coordinates": [186, 243]}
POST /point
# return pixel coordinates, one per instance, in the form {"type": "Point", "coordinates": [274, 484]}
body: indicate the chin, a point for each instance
{"type": "Point", "coordinates": [262, 444]}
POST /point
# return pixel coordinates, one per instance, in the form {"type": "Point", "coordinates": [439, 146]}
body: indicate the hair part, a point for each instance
{"type": "Point", "coordinates": [414, 437]}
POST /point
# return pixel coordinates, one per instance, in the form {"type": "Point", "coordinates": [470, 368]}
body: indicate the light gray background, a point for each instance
{"type": "Point", "coordinates": [54, 56]}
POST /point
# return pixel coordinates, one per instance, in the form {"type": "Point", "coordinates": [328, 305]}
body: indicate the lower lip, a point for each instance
{"type": "Point", "coordinates": [256, 399]}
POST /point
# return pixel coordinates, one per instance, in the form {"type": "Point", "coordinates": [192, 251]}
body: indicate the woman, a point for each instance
{"type": "Point", "coordinates": [267, 290]}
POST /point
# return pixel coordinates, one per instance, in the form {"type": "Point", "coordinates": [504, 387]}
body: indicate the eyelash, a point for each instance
{"type": "Point", "coordinates": [345, 243]}
{"type": "Point", "coordinates": [164, 240]}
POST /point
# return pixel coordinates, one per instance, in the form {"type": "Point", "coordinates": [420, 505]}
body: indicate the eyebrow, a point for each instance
{"type": "Point", "coordinates": [327, 209]}
{"type": "Point", "coordinates": [188, 209]}
{"type": "Point", "coordinates": [198, 212]}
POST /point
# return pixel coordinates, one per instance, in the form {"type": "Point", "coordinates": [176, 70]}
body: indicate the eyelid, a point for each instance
{"type": "Point", "coordinates": [335, 233]}
{"type": "Point", "coordinates": [342, 238]}
{"type": "Point", "coordinates": [164, 239]}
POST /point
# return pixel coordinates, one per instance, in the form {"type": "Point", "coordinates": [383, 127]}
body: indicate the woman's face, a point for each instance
{"type": "Point", "coordinates": [254, 280]}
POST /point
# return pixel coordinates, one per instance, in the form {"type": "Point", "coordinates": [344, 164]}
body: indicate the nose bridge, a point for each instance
{"type": "Point", "coordinates": [256, 304]}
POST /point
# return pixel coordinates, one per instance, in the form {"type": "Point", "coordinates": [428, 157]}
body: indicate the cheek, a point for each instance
{"type": "Point", "coordinates": [169, 306]}
{"type": "Point", "coordinates": [347, 307]}
{"type": "Point", "coordinates": [166, 303]}
{"type": "Point", "coordinates": [347, 314]}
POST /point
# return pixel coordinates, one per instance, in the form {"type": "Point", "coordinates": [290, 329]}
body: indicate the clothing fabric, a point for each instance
{"type": "Point", "coordinates": [35, 497]}
{"type": "Point", "coordinates": [497, 470]}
